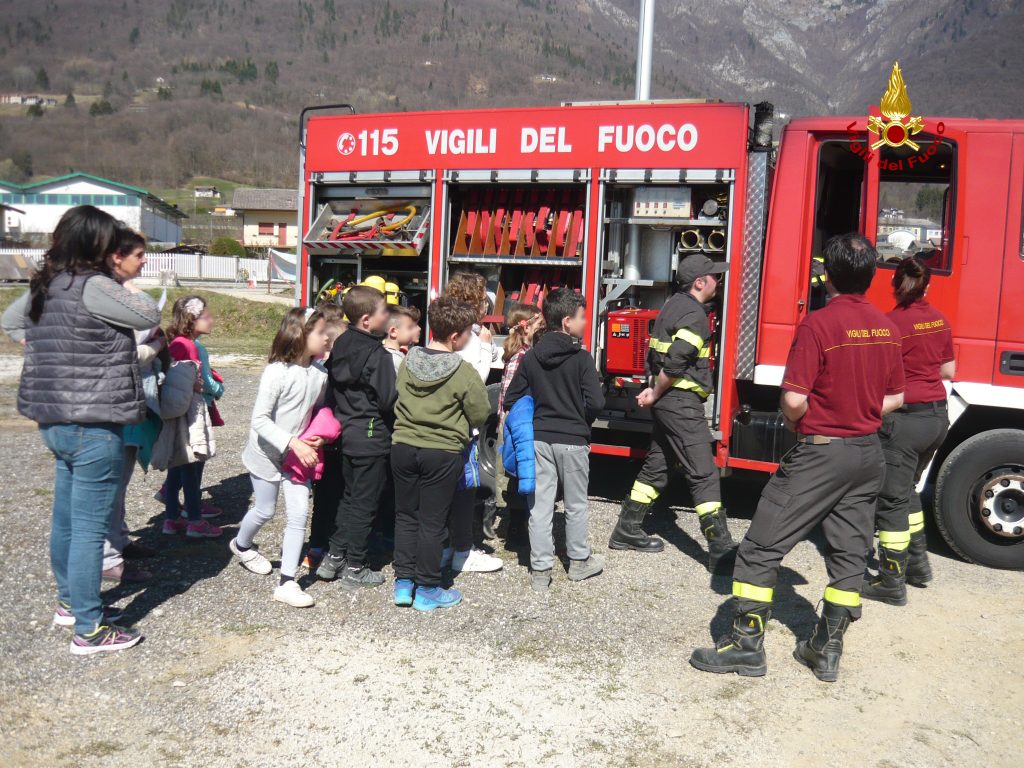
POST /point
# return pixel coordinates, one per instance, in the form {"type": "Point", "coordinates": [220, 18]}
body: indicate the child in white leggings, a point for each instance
{"type": "Point", "coordinates": [290, 389]}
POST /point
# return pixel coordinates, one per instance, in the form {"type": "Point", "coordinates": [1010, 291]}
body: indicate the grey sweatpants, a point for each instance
{"type": "Point", "coordinates": [569, 464]}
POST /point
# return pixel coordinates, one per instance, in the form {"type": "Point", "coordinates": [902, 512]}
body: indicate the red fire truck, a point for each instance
{"type": "Point", "coordinates": [605, 198]}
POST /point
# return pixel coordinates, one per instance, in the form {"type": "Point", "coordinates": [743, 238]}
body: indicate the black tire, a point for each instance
{"type": "Point", "coordinates": [957, 509]}
{"type": "Point", "coordinates": [489, 442]}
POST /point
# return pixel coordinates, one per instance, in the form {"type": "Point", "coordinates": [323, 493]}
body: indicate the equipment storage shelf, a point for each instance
{"type": "Point", "coordinates": [365, 227]}
{"type": "Point", "coordinates": [526, 238]}
{"type": "Point", "coordinates": [358, 226]}
{"type": "Point", "coordinates": [649, 227]}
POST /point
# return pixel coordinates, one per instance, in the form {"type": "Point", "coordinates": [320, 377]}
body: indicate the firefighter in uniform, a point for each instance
{"type": "Point", "coordinates": [819, 296]}
{"type": "Point", "coordinates": [843, 373]}
{"type": "Point", "coordinates": [678, 361]}
{"type": "Point", "coordinates": [910, 436]}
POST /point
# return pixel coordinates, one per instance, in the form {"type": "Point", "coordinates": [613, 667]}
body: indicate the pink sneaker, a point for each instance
{"type": "Point", "coordinates": [172, 527]}
{"type": "Point", "coordinates": [203, 530]}
{"type": "Point", "coordinates": [209, 510]}
{"type": "Point", "coordinates": [206, 511]}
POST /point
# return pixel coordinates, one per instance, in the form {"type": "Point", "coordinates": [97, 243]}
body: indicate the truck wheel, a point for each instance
{"type": "Point", "coordinates": [489, 442]}
{"type": "Point", "coordinates": [979, 499]}
{"type": "Point", "coordinates": [489, 453]}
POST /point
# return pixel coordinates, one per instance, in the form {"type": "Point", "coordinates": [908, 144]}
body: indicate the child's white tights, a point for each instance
{"type": "Point", "coordinates": [296, 506]}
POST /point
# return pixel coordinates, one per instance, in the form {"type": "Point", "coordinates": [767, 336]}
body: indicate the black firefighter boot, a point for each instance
{"type": "Point", "coordinates": [919, 570]}
{"type": "Point", "coordinates": [825, 647]}
{"type": "Point", "coordinates": [721, 546]}
{"type": "Point", "coordinates": [628, 534]}
{"type": "Point", "coordinates": [742, 650]}
{"type": "Point", "coordinates": [889, 586]}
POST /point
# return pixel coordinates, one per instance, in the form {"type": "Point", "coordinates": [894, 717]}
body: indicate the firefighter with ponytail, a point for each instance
{"type": "Point", "coordinates": [911, 435]}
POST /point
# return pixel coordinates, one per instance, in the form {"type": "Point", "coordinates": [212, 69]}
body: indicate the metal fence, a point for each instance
{"type": "Point", "coordinates": [184, 265]}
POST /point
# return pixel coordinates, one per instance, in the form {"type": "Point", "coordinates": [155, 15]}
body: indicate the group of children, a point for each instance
{"type": "Point", "coordinates": [407, 419]}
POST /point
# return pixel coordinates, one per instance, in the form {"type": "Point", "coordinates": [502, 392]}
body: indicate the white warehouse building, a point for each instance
{"type": "Point", "coordinates": [40, 206]}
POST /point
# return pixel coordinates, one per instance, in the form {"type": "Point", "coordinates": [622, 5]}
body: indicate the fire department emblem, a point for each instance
{"type": "Point", "coordinates": [346, 143]}
{"type": "Point", "coordinates": [895, 128]}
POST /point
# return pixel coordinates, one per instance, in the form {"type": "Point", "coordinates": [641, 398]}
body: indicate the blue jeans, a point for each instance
{"type": "Point", "coordinates": [187, 478]}
{"type": "Point", "coordinates": [89, 461]}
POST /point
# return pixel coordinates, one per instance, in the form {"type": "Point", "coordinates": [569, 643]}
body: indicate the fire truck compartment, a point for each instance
{"type": "Point", "coordinates": [361, 230]}
{"type": "Point", "coordinates": [526, 238]}
{"type": "Point", "coordinates": [647, 229]}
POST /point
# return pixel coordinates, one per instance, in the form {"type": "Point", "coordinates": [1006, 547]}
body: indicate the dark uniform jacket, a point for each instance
{"type": "Point", "coordinates": [680, 345]}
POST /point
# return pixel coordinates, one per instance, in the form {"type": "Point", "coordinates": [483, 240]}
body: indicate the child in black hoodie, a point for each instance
{"type": "Point", "coordinates": [562, 378]}
{"type": "Point", "coordinates": [362, 379]}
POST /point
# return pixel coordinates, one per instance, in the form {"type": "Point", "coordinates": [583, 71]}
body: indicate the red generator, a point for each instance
{"type": "Point", "coordinates": [629, 334]}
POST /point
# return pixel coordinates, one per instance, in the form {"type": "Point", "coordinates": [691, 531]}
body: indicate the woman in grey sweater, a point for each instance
{"type": "Point", "coordinates": [80, 383]}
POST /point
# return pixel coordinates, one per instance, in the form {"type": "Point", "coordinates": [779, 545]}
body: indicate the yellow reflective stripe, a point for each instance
{"type": "Point", "coordinates": [708, 507]}
{"type": "Point", "coordinates": [705, 353]}
{"type": "Point", "coordinates": [683, 334]}
{"type": "Point", "coordinates": [684, 383]}
{"type": "Point", "coordinates": [752, 592]}
{"type": "Point", "coordinates": [819, 279]}
{"type": "Point", "coordinates": [894, 540]}
{"type": "Point", "coordinates": [916, 520]}
{"type": "Point", "coordinates": [754, 621]}
{"type": "Point", "coordinates": [643, 493]}
{"type": "Point", "coordinates": [843, 597]}
{"type": "Point", "coordinates": [691, 338]}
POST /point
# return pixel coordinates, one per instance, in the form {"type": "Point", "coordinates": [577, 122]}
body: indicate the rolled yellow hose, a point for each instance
{"type": "Point", "coordinates": [383, 212]}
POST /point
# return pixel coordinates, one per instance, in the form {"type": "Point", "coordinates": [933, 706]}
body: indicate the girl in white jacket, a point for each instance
{"type": "Point", "coordinates": [291, 388]}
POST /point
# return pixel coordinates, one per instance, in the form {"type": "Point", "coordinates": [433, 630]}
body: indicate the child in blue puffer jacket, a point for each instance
{"type": "Point", "coordinates": [517, 447]}
{"type": "Point", "coordinates": [524, 322]}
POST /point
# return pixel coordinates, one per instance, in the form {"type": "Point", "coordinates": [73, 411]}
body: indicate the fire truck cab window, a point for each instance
{"type": "Point", "coordinates": [839, 199]}
{"type": "Point", "coordinates": [916, 200]}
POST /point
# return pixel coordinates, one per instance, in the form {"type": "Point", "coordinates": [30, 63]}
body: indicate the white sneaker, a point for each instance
{"type": "Point", "coordinates": [446, 557]}
{"type": "Point", "coordinates": [250, 559]}
{"type": "Point", "coordinates": [475, 561]}
{"type": "Point", "coordinates": [290, 593]}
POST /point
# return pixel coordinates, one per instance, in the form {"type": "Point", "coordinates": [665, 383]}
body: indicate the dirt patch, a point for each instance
{"type": "Point", "coordinates": [589, 674]}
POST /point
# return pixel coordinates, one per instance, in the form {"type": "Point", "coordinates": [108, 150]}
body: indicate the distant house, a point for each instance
{"type": "Point", "coordinates": [192, 250]}
{"type": "Point", "coordinates": [45, 202]}
{"type": "Point", "coordinates": [923, 230]}
{"type": "Point", "coordinates": [28, 100]}
{"type": "Point", "coordinates": [8, 214]}
{"type": "Point", "coordinates": [269, 217]}
{"type": "Point", "coordinates": [206, 192]}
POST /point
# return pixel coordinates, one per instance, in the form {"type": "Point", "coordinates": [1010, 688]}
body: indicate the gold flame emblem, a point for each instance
{"type": "Point", "coordinates": [895, 108]}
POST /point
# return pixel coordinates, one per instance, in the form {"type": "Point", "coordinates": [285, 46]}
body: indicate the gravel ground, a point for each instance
{"type": "Point", "coordinates": [589, 674]}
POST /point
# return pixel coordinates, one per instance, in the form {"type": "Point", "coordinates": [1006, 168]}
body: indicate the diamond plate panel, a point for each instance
{"type": "Point", "coordinates": [753, 248]}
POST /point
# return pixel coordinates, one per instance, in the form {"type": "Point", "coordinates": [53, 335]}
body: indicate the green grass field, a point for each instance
{"type": "Point", "coordinates": [241, 327]}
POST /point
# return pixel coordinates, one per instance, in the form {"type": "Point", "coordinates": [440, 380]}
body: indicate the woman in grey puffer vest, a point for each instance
{"type": "Point", "coordinates": [81, 384]}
